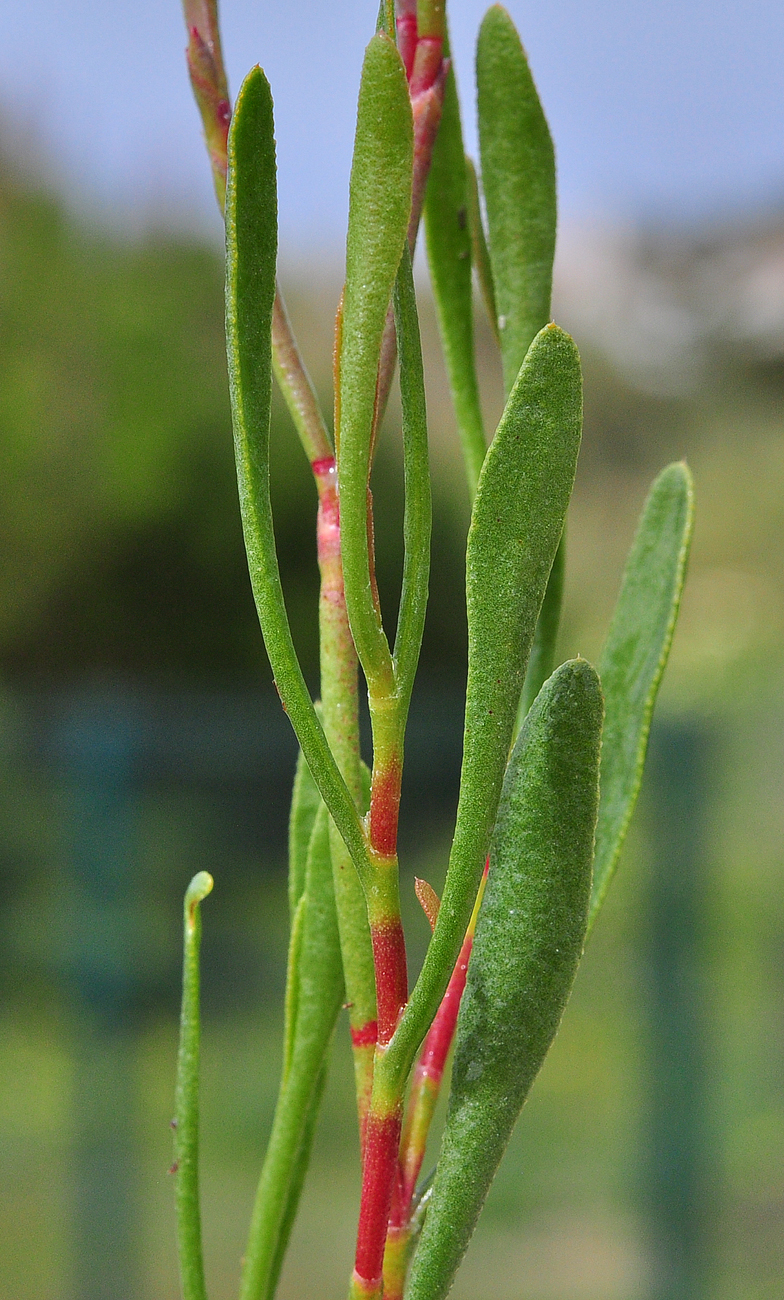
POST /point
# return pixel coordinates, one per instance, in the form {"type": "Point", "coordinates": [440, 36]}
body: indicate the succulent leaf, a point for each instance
{"type": "Point", "coordinates": [634, 657]}
{"type": "Point", "coordinates": [518, 179]}
{"type": "Point", "coordinates": [528, 943]}
{"type": "Point", "coordinates": [448, 240]}
{"type": "Point", "coordinates": [516, 525]}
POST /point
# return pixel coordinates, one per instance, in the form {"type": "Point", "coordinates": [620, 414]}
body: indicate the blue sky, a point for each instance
{"type": "Point", "coordinates": [662, 109]}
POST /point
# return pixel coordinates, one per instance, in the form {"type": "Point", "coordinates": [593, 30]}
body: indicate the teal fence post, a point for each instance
{"type": "Point", "coordinates": [677, 1150]}
{"type": "Point", "coordinates": [96, 745]}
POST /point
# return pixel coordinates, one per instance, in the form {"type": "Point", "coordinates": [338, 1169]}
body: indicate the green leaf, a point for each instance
{"type": "Point", "coordinates": [379, 209]}
{"type": "Point", "coordinates": [542, 660]}
{"type": "Point", "coordinates": [479, 250]}
{"type": "Point", "coordinates": [298, 1180]}
{"type": "Point", "coordinates": [634, 658]}
{"type": "Point", "coordinates": [518, 178]}
{"type": "Point", "coordinates": [186, 1133]}
{"type": "Point", "coordinates": [292, 980]}
{"type": "Point", "coordinates": [305, 800]}
{"type": "Point", "coordinates": [529, 940]}
{"type": "Point", "coordinates": [251, 249]}
{"type": "Point", "coordinates": [448, 242]}
{"type": "Point", "coordinates": [417, 518]}
{"type": "Point", "coordinates": [517, 522]}
{"type": "Point", "coordinates": [319, 976]}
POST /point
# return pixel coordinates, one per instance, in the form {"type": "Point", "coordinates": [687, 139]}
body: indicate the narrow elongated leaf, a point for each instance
{"type": "Point", "coordinates": [516, 525]}
{"type": "Point", "coordinates": [300, 1171]}
{"type": "Point", "coordinates": [251, 249]}
{"type": "Point", "coordinates": [529, 939]}
{"type": "Point", "coordinates": [319, 976]}
{"type": "Point", "coordinates": [634, 658]}
{"type": "Point", "coordinates": [305, 800]}
{"type": "Point", "coordinates": [379, 210]}
{"type": "Point", "coordinates": [292, 980]}
{"type": "Point", "coordinates": [448, 239]}
{"type": "Point", "coordinates": [417, 520]}
{"type": "Point", "coordinates": [304, 788]}
{"type": "Point", "coordinates": [480, 253]}
{"type": "Point", "coordinates": [518, 178]}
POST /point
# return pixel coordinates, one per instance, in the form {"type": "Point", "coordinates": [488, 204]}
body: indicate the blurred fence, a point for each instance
{"type": "Point", "coordinates": [114, 798]}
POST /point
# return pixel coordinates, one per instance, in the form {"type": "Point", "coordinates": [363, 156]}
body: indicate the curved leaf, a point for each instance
{"type": "Point", "coordinates": [479, 250]}
{"type": "Point", "coordinates": [379, 210]}
{"type": "Point", "coordinates": [305, 800]}
{"type": "Point", "coordinates": [529, 940]}
{"type": "Point", "coordinates": [251, 249]}
{"type": "Point", "coordinates": [448, 239]}
{"type": "Point", "coordinates": [634, 658]}
{"type": "Point", "coordinates": [318, 973]}
{"type": "Point", "coordinates": [417, 519]}
{"type": "Point", "coordinates": [518, 179]}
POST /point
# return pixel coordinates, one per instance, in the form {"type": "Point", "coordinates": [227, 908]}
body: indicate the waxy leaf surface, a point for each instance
{"type": "Point", "coordinates": [518, 179]}
{"type": "Point", "coordinates": [529, 939]}
{"type": "Point", "coordinates": [634, 658]}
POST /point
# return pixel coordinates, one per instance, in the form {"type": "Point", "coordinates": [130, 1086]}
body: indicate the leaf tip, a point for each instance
{"type": "Point", "coordinates": [198, 889]}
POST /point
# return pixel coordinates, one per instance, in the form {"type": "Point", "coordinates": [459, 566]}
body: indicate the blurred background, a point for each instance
{"type": "Point", "coordinates": [140, 739]}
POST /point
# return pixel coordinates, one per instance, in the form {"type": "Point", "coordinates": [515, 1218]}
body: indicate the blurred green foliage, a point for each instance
{"type": "Point", "coordinates": [122, 559]}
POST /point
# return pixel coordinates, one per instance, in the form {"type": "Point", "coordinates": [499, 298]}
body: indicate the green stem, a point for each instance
{"type": "Point", "coordinates": [296, 387]}
{"type": "Point", "coordinates": [186, 1140]}
{"type": "Point", "coordinates": [340, 712]}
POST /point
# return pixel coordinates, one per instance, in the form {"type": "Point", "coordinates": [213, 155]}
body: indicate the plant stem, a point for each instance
{"type": "Point", "coordinates": [338, 657]}
{"type": "Point", "coordinates": [339, 702]}
{"type": "Point", "coordinates": [186, 1133]}
{"type": "Point", "coordinates": [378, 1172]}
{"type": "Point", "coordinates": [296, 387]}
{"type": "Point", "coordinates": [425, 1088]}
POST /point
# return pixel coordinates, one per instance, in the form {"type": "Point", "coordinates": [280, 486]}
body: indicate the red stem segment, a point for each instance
{"type": "Point", "coordinates": [381, 1150]}
{"type": "Point", "coordinates": [425, 1088]}
{"type": "Point", "coordinates": [385, 808]}
{"type": "Point", "coordinates": [389, 956]}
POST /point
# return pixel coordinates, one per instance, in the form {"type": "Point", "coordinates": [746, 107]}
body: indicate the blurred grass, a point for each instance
{"type": "Point", "coordinates": [123, 569]}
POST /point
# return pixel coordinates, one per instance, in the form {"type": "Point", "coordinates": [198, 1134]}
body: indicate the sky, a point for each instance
{"type": "Point", "coordinates": [666, 110]}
